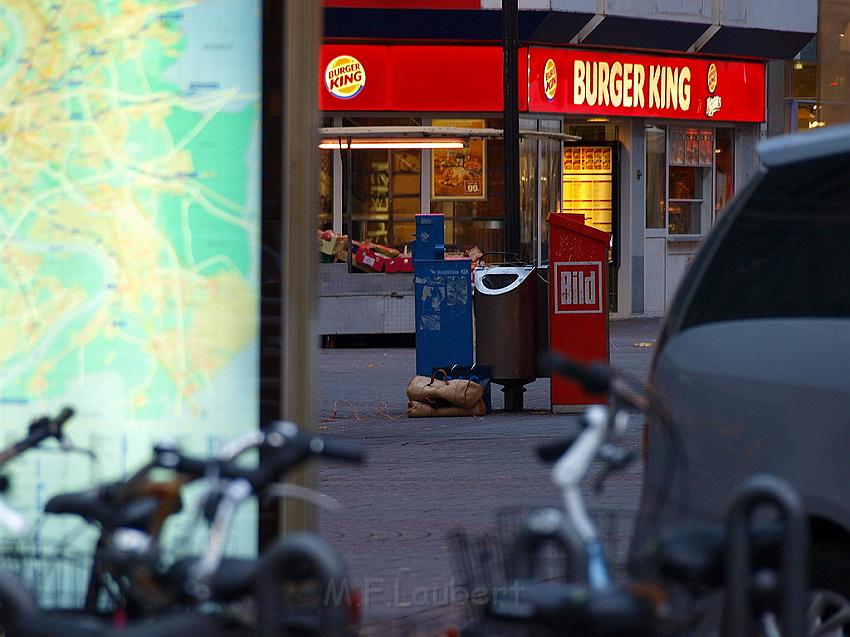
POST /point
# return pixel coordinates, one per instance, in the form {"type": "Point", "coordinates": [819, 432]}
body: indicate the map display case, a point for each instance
{"type": "Point", "coordinates": [129, 268]}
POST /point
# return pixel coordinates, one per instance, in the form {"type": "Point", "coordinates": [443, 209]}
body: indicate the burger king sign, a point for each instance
{"type": "Point", "coordinates": [345, 76]}
{"type": "Point", "coordinates": [550, 79]}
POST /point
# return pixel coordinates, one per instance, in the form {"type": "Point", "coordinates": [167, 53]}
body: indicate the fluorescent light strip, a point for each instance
{"type": "Point", "coordinates": [377, 144]}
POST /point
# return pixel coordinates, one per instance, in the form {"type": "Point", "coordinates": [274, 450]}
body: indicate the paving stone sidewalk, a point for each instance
{"type": "Point", "coordinates": [427, 477]}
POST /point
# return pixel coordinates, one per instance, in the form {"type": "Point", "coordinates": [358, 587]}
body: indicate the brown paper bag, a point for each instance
{"type": "Point", "coordinates": [416, 409]}
{"type": "Point", "coordinates": [458, 392]}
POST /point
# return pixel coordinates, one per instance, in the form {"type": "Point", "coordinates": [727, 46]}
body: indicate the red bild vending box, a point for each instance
{"type": "Point", "coordinates": [578, 303]}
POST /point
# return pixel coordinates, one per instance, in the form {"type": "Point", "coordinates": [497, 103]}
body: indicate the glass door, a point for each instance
{"type": "Point", "coordinates": [689, 192]}
{"type": "Point", "coordinates": [690, 178]}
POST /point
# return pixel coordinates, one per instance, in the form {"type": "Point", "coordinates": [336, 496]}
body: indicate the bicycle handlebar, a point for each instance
{"type": "Point", "coordinates": [44, 428]}
{"type": "Point", "coordinates": [292, 448]}
{"type": "Point", "coordinates": [38, 431]}
{"type": "Point", "coordinates": [340, 450]}
{"type": "Point", "coordinates": [597, 378]}
{"type": "Point", "coordinates": [594, 377]}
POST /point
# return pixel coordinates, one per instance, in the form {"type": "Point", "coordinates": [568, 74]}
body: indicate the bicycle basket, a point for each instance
{"type": "Point", "coordinates": [58, 577]}
{"type": "Point", "coordinates": [480, 561]}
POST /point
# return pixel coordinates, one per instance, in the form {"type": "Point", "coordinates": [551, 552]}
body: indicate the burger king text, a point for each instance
{"type": "Point", "coordinates": [623, 84]}
{"type": "Point", "coordinates": [344, 75]}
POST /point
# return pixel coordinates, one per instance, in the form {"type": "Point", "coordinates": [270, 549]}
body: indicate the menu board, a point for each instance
{"type": "Point", "coordinates": [459, 174]}
{"type": "Point", "coordinates": [129, 269]}
{"type": "Point", "coordinates": [587, 184]}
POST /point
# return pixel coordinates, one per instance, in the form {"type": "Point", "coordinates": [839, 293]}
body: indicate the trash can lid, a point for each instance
{"type": "Point", "coordinates": [501, 279]}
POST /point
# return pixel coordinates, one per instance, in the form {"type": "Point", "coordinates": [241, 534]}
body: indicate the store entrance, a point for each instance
{"type": "Point", "coordinates": [590, 189]}
{"type": "Point", "coordinates": [690, 177]}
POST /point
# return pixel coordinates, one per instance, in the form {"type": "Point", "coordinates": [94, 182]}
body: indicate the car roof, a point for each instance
{"type": "Point", "coordinates": [791, 149]}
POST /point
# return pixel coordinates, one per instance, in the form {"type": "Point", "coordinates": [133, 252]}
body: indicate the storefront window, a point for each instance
{"type": "Point", "coordinates": [550, 182]}
{"type": "Point", "coordinates": [801, 79]}
{"type": "Point", "coordinates": [656, 169]}
{"type": "Point", "coordinates": [478, 221]}
{"type": "Point", "coordinates": [326, 190]}
{"type": "Point", "coordinates": [527, 192]}
{"type": "Point", "coordinates": [326, 183]}
{"type": "Point", "coordinates": [385, 189]}
{"type": "Point", "coordinates": [598, 132]}
{"type": "Point", "coordinates": [689, 189]}
{"type": "Point", "coordinates": [724, 166]}
{"type": "Point", "coordinates": [816, 87]}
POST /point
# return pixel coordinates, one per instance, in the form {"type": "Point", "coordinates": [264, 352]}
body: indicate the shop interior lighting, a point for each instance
{"type": "Point", "coordinates": [598, 120]}
{"type": "Point", "coordinates": [413, 137]}
{"type": "Point", "coordinates": [400, 143]}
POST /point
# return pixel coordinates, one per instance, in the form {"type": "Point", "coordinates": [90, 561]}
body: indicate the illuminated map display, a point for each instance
{"type": "Point", "coordinates": [129, 210]}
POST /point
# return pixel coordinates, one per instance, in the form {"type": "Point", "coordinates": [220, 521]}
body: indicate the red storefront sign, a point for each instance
{"type": "Point", "coordinates": [588, 82]}
{"type": "Point", "coordinates": [420, 78]}
{"type": "Point", "coordinates": [366, 77]}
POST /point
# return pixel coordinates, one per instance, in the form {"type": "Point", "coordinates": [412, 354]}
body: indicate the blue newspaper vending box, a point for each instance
{"type": "Point", "coordinates": [443, 313]}
{"type": "Point", "coordinates": [429, 242]}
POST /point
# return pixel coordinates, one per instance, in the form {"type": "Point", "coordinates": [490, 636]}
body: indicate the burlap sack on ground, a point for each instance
{"type": "Point", "coordinates": [458, 392]}
{"type": "Point", "coordinates": [416, 409]}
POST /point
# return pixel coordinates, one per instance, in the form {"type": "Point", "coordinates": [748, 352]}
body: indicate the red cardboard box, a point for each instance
{"type": "Point", "coordinates": [399, 264]}
{"type": "Point", "coordinates": [369, 260]}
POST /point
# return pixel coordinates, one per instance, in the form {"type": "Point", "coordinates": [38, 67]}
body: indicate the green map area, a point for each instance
{"type": "Point", "coordinates": [129, 228]}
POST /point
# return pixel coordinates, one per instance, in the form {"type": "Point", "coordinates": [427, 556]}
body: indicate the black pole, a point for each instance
{"type": "Point", "coordinates": [510, 45]}
{"type": "Point", "coordinates": [348, 197]}
{"type": "Point", "coordinates": [271, 354]}
{"type": "Point", "coordinates": [513, 390]}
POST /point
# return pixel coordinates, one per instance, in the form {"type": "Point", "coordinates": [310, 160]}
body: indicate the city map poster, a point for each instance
{"type": "Point", "coordinates": [129, 257]}
{"type": "Point", "coordinates": [459, 174]}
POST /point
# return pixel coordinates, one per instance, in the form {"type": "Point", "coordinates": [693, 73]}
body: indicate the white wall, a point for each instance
{"type": "Point", "coordinates": [778, 15]}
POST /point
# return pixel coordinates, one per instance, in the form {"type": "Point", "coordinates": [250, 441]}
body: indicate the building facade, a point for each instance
{"type": "Point", "coordinates": [817, 80]}
{"type": "Point", "coordinates": [668, 105]}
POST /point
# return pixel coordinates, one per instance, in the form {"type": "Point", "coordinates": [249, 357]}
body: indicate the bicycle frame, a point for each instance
{"type": "Point", "coordinates": [567, 475]}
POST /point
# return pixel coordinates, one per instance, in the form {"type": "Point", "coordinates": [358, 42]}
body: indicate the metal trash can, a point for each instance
{"type": "Point", "coordinates": [505, 304]}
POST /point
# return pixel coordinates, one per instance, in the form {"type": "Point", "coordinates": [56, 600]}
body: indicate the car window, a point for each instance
{"type": "Point", "coordinates": [787, 253]}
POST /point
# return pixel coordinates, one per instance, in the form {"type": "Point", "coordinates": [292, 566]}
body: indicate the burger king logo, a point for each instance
{"type": "Point", "coordinates": [345, 77]}
{"type": "Point", "coordinates": [712, 78]}
{"type": "Point", "coordinates": [550, 79]}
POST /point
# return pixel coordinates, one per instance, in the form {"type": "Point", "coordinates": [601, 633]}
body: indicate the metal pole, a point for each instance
{"type": "Point", "coordinates": [348, 204]}
{"type": "Point", "coordinates": [302, 35]}
{"type": "Point", "coordinates": [510, 45]}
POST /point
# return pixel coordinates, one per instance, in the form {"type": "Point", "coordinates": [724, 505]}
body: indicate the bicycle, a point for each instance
{"type": "Point", "coordinates": [39, 430]}
{"type": "Point", "coordinates": [762, 594]}
{"type": "Point", "coordinates": [206, 589]}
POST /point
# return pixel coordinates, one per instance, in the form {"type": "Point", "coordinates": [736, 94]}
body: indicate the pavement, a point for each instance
{"type": "Point", "coordinates": [425, 478]}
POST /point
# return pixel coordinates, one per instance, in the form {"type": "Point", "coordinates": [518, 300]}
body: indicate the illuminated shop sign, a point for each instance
{"type": "Point", "coordinates": [550, 79]}
{"type": "Point", "coordinates": [345, 76]}
{"type": "Point", "coordinates": [446, 78]}
{"type": "Point", "coordinates": [643, 85]}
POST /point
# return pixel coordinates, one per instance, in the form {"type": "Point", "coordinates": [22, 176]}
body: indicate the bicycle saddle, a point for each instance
{"type": "Point", "coordinates": [92, 507]}
{"type": "Point", "coordinates": [234, 578]}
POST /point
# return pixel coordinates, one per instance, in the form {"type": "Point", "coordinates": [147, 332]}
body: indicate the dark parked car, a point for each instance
{"type": "Point", "coordinates": [753, 360]}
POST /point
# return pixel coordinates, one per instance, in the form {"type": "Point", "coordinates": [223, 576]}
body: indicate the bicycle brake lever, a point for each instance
{"type": "Point", "coordinates": [289, 490]}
